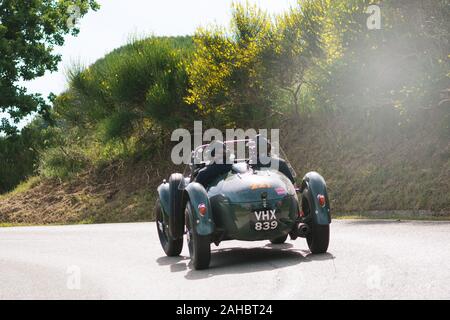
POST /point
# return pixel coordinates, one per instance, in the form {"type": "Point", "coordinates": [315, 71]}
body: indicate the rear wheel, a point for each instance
{"type": "Point", "coordinates": [172, 247]}
{"type": "Point", "coordinates": [279, 240]}
{"type": "Point", "coordinates": [199, 246]}
{"type": "Point", "coordinates": [176, 216]}
{"type": "Point", "coordinates": [318, 238]}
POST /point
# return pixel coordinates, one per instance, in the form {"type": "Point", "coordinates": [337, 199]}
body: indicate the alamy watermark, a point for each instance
{"type": "Point", "coordinates": [374, 19]}
{"type": "Point", "coordinates": [374, 278]}
{"type": "Point", "coordinates": [213, 146]}
{"type": "Point", "coordinates": [73, 278]}
{"type": "Point", "coordinates": [74, 13]}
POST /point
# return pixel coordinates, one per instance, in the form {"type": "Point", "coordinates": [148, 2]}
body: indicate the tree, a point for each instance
{"type": "Point", "coordinates": [404, 65]}
{"type": "Point", "coordinates": [29, 31]}
{"type": "Point", "coordinates": [241, 75]}
{"type": "Point", "coordinates": [19, 153]}
{"type": "Point", "coordinates": [128, 100]}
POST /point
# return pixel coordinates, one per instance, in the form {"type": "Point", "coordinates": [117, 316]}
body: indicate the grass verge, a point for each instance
{"type": "Point", "coordinates": [392, 216]}
{"type": "Point", "coordinates": [24, 186]}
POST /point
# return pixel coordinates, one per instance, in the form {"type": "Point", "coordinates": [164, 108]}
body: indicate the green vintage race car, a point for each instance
{"type": "Point", "coordinates": [239, 199]}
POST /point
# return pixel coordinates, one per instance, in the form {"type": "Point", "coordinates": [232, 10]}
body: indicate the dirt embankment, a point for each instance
{"type": "Point", "coordinates": [372, 162]}
{"type": "Point", "coordinates": [119, 193]}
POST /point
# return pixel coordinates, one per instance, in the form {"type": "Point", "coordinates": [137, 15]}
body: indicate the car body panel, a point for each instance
{"type": "Point", "coordinates": [236, 196]}
{"type": "Point", "coordinates": [235, 218]}
{"type": "Point", "coordinates": [164, 197]}
{"type": "Point", "coordinates": [197, 194]}
{"type": "Point", "coordinates": [317, 186]}
{"type": "Point", "coordinates": [248, 186]}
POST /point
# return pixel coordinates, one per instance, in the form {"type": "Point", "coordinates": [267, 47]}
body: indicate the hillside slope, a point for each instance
{"type": "Point", "coordinates": [369, 162]}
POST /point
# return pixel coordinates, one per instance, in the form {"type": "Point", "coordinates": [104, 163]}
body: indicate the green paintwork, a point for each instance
{"type": "Point", "coordinates": [233, 198]}
{"type": "Point", "coordinates": [236, 196]}
{"type": "Point", "coordinates": [317, 185]}
{"type": "Point", "coordinates": [242, 187]}
{"type": "Point", "coordinates": [164, 197]}
{"type": "Point", "coordinates": [234, 218]}
{"type": "Point", "coordinates": [204, 225]}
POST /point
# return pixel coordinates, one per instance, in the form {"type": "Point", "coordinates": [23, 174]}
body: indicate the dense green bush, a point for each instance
{"type": "Point", "coordinates": [62, 162]}
{"type": "Point", "coordinates": [134, 94]}
{"type": "Point", "coordinates": [143, 80]}
{"type": "Point", "coordinates": [247, 74]}
{"type": "Point", "coordinates": [19, 153]}
{"type": "Point", "coordinates": [17, 161]}
{"type": "Point", "coordinates": [404, 65]}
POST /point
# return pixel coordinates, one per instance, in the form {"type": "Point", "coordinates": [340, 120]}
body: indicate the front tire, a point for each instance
{"type": "Point", "coordinates": [199, 246]}
{"type": "Point", "coordinates": [172, 247]}
{"type": "Point", "coordinates": [318, 238]}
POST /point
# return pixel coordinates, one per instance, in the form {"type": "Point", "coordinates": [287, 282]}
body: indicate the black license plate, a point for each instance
{"type": "Point", "coordinates": [263, 220]}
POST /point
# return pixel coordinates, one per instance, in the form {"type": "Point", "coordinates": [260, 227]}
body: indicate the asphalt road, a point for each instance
{"type": "Point", "coordinates": [366, 260]}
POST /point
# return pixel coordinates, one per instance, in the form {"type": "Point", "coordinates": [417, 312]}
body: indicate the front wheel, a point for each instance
{"type": "Point", "coordinates": [199, 246]}
{"type": "Point", "coordinates": [172, 247]}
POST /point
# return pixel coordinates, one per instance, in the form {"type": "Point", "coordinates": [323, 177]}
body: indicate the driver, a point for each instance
{"type": "Point", "coordinates": [219, 163]}
{"type": "Point", "coordinates": [265, 159]}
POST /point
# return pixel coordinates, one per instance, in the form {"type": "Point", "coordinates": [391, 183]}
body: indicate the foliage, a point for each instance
{"type": "Point", "coordinates": [61, 162]}
{"type": "Point", "coordinates": [361, 105]}
{"type": "Point", "coordinates": [29, 31]}
{"type": "Point", "coordinates": [19, 153]}
{"type": "Point", "coordinates": [240, 75]}
{"type": "Point", "coordinates": [121, 105]}
{"type": "Point", "coordinates": [404, 65]}
{"type": "Point", "coordinates": [142, 81]}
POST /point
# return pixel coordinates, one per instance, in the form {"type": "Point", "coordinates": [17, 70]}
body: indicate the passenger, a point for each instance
{"type": "Point", "coordinates": [264, 158]}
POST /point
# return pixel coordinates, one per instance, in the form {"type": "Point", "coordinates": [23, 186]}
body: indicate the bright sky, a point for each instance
{"type": "Point", "coordinates": [118, 20]}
